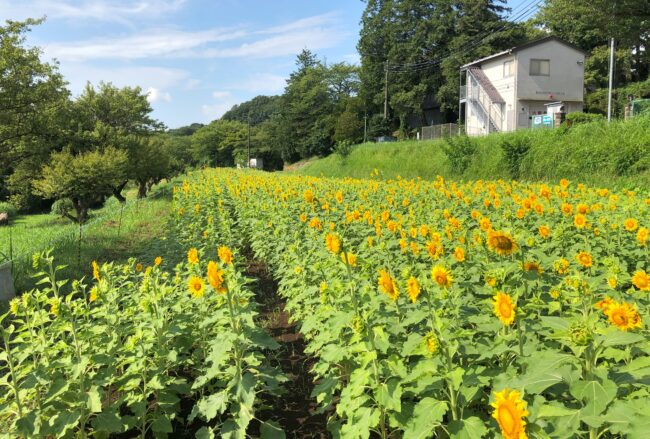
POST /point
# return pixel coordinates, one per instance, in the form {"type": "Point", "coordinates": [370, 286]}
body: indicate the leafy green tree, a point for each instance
{"type": "Point", "coordinates": [108, 116]}
{"type": "Point", "coordinates": [591, 23]}
{"type": "Point", "coordinates": [215, 144]}
{"type": "Point", "coordinates": [350, 124]}
{"type": "Point", "coordinates": [84, 178]}
{"type": "Point", "coordinates": [33, 95]}
{"type": "Point", "coordinates": [259, 109]}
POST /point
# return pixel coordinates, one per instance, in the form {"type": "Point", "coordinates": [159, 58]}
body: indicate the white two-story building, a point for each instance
{"type": "Point", "coordinates": [507, 90]}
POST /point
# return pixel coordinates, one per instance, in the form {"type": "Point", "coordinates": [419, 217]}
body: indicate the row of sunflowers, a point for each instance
{"type": "Point", "coordinates": [137, 351]}
{"type": "Point", "coordinates": [444, 309]}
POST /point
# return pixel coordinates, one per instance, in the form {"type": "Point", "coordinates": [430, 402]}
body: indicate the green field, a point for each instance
{"type": "Point", "coordinates": [114, 233]}
{"type": "Point", "coordinates": [615, 155]}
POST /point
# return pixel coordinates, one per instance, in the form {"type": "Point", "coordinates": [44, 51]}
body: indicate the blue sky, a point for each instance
{"type": "Point", "coordinates": [196, 58]}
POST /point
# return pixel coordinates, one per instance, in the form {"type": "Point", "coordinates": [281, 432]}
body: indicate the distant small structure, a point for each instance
{"type": "Point", "coordinates": [4, 218]}
{"type": "Point", "coordinates": [382, 139]}
{"type": "Point", "coordinates": [256, 163]}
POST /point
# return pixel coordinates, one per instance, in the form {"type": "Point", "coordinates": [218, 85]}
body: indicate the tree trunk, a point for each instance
{"type": "Point", "coordinates": [142, 189]}
{"type": "Point", "coordinates": [117, 192]}
{"type": "Point", "coordinates": [81, 209]}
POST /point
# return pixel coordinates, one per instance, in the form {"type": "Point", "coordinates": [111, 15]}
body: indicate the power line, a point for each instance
{"type": "Point", "coordinates": [529, 10]}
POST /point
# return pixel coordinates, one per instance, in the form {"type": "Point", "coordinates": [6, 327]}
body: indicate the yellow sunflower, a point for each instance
{"type": "Point", "coordinates": [544, 231]}
{"type": "Point", "coordinates": [225, 255]}
{"type": "Point", "coordinates": [96, 275]}
{"type": "Point", "coordinates": [333, 243]}
{"type": "Point", "coordinates": [642, 235]}
{"type": "Point", "coordinates": [501, 243]}
{"type": "Point", "coordinates": [193, 256]}
{"type": "Point", "coordinates": [641, 280]}
{"type": "Point", "coordinates": [413, 288]}
{"type": "Point", "coordinates": [504, 309]}
{"type": "Point", "coordinates": [441, 276]}
{"type": "Point", "coordinates": [196, 287]}
{"type": "Point", "coordinates": [510, 411]}
{"type": "Point", "coordinates": [157, 261]}
{"type": "Point", "coordinates": [388, 285]}
{"type": "Point", "coordinates": [215, 277]}
{"type": "Point", "coordinates": [459, 254]}
{"type": "Point", "coordinates": [585, 259]}
{"type": "Point", "coordinates": [533, 266]}
{"type": "Point", "coordinates": [623, 315]}
{"type": "Point", "coordinates": [631, 224]}
{"type": "Point", "coordinates": [350, 257]}
{"type": "Point", "coordinates": [580, 221]}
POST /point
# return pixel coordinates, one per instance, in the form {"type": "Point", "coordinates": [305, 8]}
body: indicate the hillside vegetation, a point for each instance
{"type": "Point", "coordinates": [616, 154]}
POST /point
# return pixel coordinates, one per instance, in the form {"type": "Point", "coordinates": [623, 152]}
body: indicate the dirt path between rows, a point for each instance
{"type": "Point", "coordinates": [295, 410]}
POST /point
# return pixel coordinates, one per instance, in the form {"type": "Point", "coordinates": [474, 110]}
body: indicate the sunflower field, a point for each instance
{"type": "Point", "coordinates": [430, 308]}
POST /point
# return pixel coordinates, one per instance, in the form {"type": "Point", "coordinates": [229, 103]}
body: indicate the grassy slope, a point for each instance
{"type": "Point", "coordinates": [616, 155]}
{"type": "Point", "coordinates": [141, 235]}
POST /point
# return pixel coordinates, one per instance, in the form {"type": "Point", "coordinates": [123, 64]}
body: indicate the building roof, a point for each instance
{"type": "Point", "coordinates": [486, 84]}
{"type": "Point", "coordinates": [521, 47]}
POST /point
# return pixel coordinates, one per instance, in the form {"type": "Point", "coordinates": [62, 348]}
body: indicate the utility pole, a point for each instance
{"type": "Point", "coordinates": [249, 140]}
{"type": "Point", "coordinates": [611, 82]}
{"type": "Point", "coordinates": [386, 93]}
{"type": "Point", "coordinates": [365, 127]}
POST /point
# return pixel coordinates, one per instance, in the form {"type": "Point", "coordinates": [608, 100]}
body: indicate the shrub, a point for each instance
{"type": "Point", "coordinates": [459, 150]}
{"type": "Point", "coordinates": [515, 148]}
{"type": "Point", "coordinates": [8, 208]}
{"type": "Point", "coordinates": [62, 207]}
{"type": "Point", "coordinates": [580, 117]}
{"type": "Point", "coordinates": [343, 149]}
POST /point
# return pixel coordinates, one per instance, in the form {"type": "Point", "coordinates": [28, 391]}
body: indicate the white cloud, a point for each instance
{"type": "Point", "coordinates": [315, 32]}
{"type": "Point", "coordinates": [221, 95]}
{"type": "Point", "coordinates": [117, 11]}
{"type": "Point", "coordinates": [160, 78]}
{"type": "Point", "coordinates": [262, 83]}
{"type": "Point", "coordinates": [155, 95]}
{"type": "Point", "coordinates": [192, 83]}
{"type": "Point", "coordinates": [215, 111]}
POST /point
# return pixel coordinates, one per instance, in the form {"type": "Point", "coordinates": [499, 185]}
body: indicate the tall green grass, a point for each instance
{"type": "Point", "coordinates": [616, 155]}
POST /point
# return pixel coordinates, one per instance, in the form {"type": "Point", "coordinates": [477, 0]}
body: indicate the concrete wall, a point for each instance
{"type": "Point", "coordinates": [566, 79]}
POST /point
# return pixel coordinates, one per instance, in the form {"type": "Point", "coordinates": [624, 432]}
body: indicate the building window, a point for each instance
{"type": "Point", "coordinates": [508, 69]}
{"type": "Point", "coordinates": [540, 67]}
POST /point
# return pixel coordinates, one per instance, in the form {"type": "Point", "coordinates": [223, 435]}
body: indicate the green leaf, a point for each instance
{"type": "Point", "coordinates": [212, 405]}
{"type": "Point", "coordinates": [389, 395]}
{"type": "Point", "coordinates": [204, 433]}
{"type": "Point", "coordinates": [94, 400]}
{"type": "Point", "coordinates": [63, 421]}
{"type": "Point", "coordinates": [162, 424]}
{"type": "Point", "coordinates": [380, 339]}
{"type": "Point", "coordinates": [555, 410]}
{"type": "Point", "coordinates": [427, 414]}
{"type": "Point", "coordinates": [616, 337]}
{"type": "Point", "coordinates": [595, 394]}
{"type": "Point", "coordinates": [271, 430]}
{"type": "Point", "coordinates": [470, 428]}
{"type": "Point", "coordinates": [108, 422]}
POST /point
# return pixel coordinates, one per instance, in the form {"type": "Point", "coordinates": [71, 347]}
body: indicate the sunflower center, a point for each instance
{"type": "Point", "coordinates": [505, 309]}
{"type": "Point", "coordinates": [619, 318]}
{"type": "Point", "coordinates": [504, 243]}
{"type": "Point", "coordinates": [507, 419]}
{"type": "Point", "coordinates": [441, 279]}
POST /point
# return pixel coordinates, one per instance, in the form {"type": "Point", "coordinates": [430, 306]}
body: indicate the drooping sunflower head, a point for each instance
{"type": "Point", "coordinates": [193, 256]}
{"type": "Point", "coordinates": [585, 259]}
{"type": "Point", "coordinates": [533, 266]}
{"type": "Point", "coordinates": [510, 411]}
{"type": "Point", "coordinates": [332, 243]}
{"type": "Point", "coordinates": [388, 285]}
{"type": "Point", "coordinates": [413, 288]}
{"type": "Point", "coordinates": [196, 287]}
{"type": "Point", "coordinates": [349, 258]}
{"type": "Point", "coordinates": [216, 277]}
{"type": "Point", "coordinates": [96, 275]}
{"type": "Point", "coordinates": [441, 276]}
{"type": "Point", "coordinates": [504, 308]}
{"type": "Point", "coordinates": [501, 243]}
{"type": "Point", "coordinates": [641, 280]}
{"type": "Point", "coordinates": [459, 254]}
{"type": "Point", "coordinates": [225, 255]}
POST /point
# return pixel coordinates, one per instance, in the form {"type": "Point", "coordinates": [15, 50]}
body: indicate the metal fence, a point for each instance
{"type": "Point", "coordinates": [439, 131]}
